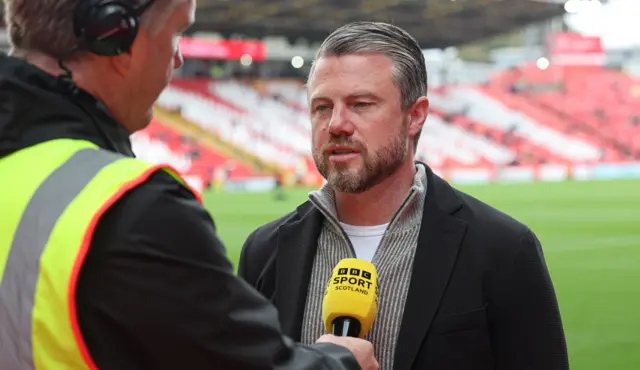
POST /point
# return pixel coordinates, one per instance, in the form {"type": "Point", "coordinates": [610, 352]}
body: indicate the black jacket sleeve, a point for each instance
{"type": "Point", "coordinates": [526, 326]}
{"type": "Point", "coordinates": [158, 292]}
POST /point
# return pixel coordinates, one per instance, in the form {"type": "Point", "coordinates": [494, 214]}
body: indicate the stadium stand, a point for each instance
{"type": "Point", "coordinates": [199, 164]}
{"type": "Point", "coordinates": [486, 126]}
{"type": "Point", "coordinates": [597, 104]}
{"type": "Point", "coordinates": [519, 118]}
{"type": "Point", "coordinates": [258, 126]}
{"type": "Point", "coordinates": [535, 129]}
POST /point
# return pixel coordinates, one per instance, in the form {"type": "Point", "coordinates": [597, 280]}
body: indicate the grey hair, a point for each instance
{"type": "Point", "coordinates": [410, 72]}
{"type": "Point", "coordinates": [46, 26]}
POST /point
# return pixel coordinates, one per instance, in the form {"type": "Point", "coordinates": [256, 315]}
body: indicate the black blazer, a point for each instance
{"type": "Point", "coordinates": [480, 295]}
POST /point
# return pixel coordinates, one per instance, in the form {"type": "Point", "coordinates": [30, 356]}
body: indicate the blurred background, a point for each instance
{"type": "Point", "coordinates": [535, 109]}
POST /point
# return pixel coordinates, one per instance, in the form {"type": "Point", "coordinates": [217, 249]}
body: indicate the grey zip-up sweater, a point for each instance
{"type": "Point", "coordinates": [393, 261]}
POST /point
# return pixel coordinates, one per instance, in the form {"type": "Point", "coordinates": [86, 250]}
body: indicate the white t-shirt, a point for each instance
{"type": "Point", "coordinates": [365, 239]}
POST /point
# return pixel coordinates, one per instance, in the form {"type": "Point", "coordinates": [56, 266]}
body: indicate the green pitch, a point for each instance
{"type": "Point", "coordinates": [590, 232]}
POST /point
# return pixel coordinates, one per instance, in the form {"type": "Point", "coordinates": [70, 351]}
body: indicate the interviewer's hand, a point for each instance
{"type": "Point", "coordinates": [361, 349]}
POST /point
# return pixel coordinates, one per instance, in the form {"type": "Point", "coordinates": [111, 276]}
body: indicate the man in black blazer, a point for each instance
{"type": "Point", "coordinates": [463, 286]}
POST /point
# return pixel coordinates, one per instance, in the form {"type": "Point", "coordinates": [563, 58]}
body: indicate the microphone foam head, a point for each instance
{"type": "Point", "coordinates": [352, 292]}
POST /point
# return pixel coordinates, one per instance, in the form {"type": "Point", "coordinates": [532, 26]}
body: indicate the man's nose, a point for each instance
{"type": "Point", "coordinates": [341, 123]}
{"type": "Point", "coordinates": [177, 59]}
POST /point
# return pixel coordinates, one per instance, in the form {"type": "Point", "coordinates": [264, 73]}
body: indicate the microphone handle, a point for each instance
{"type": "Point", "coordinates": [345, 326]}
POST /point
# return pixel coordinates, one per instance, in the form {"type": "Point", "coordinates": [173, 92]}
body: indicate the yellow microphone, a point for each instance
{"type": "Point", "coordinates": [351, 300]}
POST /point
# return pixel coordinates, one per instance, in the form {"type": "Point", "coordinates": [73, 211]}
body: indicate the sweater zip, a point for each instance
{"type": "Point", "coordinates": [336, 223]}
{"type": "Point", "coordinates": [409, 198]}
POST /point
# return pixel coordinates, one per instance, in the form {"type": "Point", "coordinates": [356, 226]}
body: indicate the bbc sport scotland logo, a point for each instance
{"type": "Point", "coordinates": [354, 272]}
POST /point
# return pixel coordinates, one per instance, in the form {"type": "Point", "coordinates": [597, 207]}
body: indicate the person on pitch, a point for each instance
{"type": "Point", "coordinates": [461, 284]}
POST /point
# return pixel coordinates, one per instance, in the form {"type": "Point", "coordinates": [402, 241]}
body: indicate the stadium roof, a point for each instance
{"type": "Point", "coordinates": [435, 23]}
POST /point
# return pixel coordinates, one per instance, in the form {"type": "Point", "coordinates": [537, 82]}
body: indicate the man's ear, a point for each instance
{"type": "Point", "coordinates": [418, 113]}
{"type": "Point", "coordinates": [122, 63]}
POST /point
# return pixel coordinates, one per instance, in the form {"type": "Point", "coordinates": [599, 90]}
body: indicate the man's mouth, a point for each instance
{"type": "Point", "coordinates": [342, 154]}
{"type": "Point", "coordinates": [342, 151]}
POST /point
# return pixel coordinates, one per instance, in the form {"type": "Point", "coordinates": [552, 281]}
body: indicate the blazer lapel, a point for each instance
{"type": "Point", "coordinates": [438, 244]}
{"type": "Point", "coordinates": [297, 244]}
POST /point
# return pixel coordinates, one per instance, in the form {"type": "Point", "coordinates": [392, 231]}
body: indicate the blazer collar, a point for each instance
{"type": "Point", "coordinates": [297, 244]}
{"type": "Point", "coordinates": [439, 240]}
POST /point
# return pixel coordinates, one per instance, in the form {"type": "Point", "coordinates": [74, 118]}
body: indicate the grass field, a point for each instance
{"type": "Point", "coordinates": [590, 232]}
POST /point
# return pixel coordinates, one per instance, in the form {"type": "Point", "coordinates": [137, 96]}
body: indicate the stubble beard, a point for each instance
{"type": "Point", "coordinates": [357, 178]}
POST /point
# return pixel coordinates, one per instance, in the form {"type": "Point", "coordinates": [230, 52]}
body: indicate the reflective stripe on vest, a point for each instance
{"type": "Point", "coordinates": [43, 244]}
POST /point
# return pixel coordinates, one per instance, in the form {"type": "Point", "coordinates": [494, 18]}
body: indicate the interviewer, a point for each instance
{"type": "Point", "coordinates": [106, 261]}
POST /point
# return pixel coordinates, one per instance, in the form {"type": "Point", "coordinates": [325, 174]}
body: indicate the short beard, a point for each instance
{"type": "Point", "coordinates": [376, 167]}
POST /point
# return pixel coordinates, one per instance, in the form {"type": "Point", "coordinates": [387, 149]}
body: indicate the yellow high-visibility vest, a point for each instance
{"type": "Point", "coordinates": [53, 195]}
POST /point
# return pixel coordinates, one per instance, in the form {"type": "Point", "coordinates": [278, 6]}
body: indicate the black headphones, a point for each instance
{"type": "Point", "coordinates": [107, 27]}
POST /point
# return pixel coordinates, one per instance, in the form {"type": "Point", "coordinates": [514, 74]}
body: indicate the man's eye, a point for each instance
{"type": "Point", "coordinates": [361, 104]}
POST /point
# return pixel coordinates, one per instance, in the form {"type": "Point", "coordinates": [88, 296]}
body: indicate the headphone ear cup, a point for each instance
{"type": "Point", "coordinates": [106, 28]}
